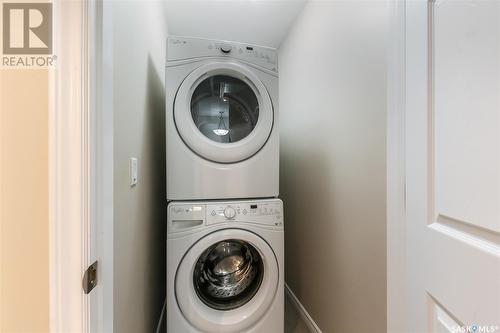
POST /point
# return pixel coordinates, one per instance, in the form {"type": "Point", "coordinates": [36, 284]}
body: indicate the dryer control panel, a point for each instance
{"type": "Point", "coordinates": [182, 48]}
{"type": "Point", "coordinates": [183, 216]}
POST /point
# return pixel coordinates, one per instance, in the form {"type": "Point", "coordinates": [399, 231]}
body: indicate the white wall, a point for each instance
{"type": "Point", "coordinates": [259, 22]}
{"type": "Point", "coordinates": [139, 35]}
{"type": "Point", "coordinates": [333, 170]}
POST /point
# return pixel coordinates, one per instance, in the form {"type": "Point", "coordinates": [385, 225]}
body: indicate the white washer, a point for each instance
{"type": "Point", "coordinates": [222, 120]}
{"type": "Point", "coordinates": [225, 267]}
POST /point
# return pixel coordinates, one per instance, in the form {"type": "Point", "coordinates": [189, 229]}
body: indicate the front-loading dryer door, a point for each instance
{"type": "Point", "coordinates": [226, 281]}
{"type": "Point", "coordinates": [223, 112]}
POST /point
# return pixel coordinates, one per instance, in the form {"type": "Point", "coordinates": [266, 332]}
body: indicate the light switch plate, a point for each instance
{"type": "Point", "coordinates": [133, 171]}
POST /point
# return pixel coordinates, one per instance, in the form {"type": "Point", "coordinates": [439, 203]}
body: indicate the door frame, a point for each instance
{"type": "Point", "coordinates": [396, 176]}
{"type": "Point", "coordinates": [87, 41]}
{"type": "Point", "coordinates": [79, 214]}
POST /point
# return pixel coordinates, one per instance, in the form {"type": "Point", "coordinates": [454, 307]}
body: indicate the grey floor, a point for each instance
{"type": "Point", "coordinates": [293, 320]}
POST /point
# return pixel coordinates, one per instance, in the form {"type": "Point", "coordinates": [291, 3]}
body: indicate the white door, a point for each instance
{"type": "Point", "coordinates": [453, 166]}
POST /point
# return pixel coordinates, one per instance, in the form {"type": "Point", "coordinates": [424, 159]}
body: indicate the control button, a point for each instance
{"type": "Point", "coordinates": [213, 213]}
{"type": "Point", "coordinates": [229, 212]}
{"type": "Point", "coordinates": [244, 212]}
{"type": "Point", "coordinates": [226, 48]}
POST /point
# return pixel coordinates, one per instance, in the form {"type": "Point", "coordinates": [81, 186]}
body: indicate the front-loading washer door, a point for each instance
{"type": "Point", "coordinates": [226, 281]}
{"type": "Point", "coordinates": [223, 112]}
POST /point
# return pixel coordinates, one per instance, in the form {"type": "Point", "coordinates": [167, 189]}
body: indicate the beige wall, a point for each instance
{"type": "Point", "coordinates": [24, 292]}
{"type": "Point", "coordinates": [332, 114]}
{"type": "Point", "coordinates": [139, 44]}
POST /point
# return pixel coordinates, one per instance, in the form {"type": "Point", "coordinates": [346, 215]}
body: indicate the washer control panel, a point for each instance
{"type": "Point", "coordinates": [184, 216]}
{"type": "Point", "coordinates": [267, 213]}
{"type": "Point", "coordinates": [180, 48]}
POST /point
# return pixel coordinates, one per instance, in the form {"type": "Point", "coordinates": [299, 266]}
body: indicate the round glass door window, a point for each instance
{"type": "Point", "coordinates": [225, 109]}
{"type": "Point", "coordinates": [228, 274]}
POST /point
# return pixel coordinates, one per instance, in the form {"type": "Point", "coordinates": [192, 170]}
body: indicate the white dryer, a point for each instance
{"type": "Point", "coordinates": [225, 267]}
{"type": "Point", "coordinates": [222, 120]}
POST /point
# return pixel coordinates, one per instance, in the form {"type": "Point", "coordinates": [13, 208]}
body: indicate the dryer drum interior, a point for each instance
{"type": "Point", "coordinates": [224, 108]}
{"type": "Point", "coordinates": [228, 274]}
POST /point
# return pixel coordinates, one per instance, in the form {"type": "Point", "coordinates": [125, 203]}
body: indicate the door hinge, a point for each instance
{"type": "Point", "coordinates": [90, 278]}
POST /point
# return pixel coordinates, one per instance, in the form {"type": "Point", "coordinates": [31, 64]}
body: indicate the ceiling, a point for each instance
{"type": "Point", "coordinates": [259, 22]}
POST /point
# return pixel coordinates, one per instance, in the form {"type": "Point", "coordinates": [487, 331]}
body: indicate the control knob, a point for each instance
{"type": "Point", "coordinates": [229, 212]}
{"type": "Point", "coordinates": [226, 48]}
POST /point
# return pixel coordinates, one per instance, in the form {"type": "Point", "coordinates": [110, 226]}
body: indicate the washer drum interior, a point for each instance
{"type": "Point", "coordinates": [228, 274]}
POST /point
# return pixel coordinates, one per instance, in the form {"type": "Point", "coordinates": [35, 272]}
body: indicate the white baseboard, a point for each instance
{"type": "Point", "coordinates": [311, 325]}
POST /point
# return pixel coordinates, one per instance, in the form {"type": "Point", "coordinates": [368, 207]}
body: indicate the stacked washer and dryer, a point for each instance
{"type": "Point", "coordinates": [225, 223]}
